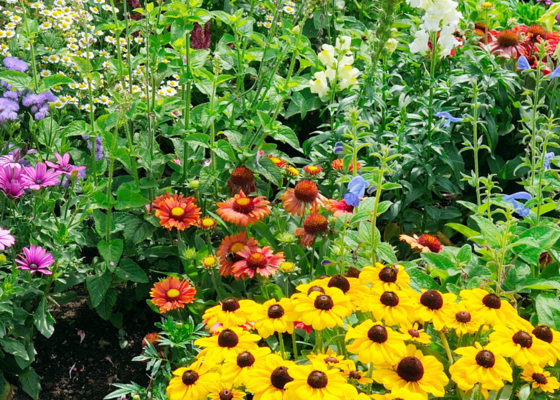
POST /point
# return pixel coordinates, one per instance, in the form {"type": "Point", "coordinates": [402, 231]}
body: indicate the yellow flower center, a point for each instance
{"type": "Point", "coordinates": [173, 293]}
{"type": "Point", "coordinates": [287, 266]}
{"type": "Point", "coordinates": [275, 160]}
{"type": "Point", "coordinates": [244, 201]}
{"type": "Point", "coordinates": [312, 168]}
{"type": "Point", "coordinates": [208, 222]}
{"type": "Point", "coordinates": [236, 247]}
{"type": "Point", "coordinates": [177, 212]}
{"type": "Point", "coordinates": [209, 261]}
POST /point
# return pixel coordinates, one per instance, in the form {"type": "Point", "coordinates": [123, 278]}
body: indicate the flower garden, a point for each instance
{"type": "Point", "coordinates": [279, 200]}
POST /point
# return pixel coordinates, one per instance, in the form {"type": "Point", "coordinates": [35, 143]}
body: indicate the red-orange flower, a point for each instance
{"type": "Point", "coordinates": [257, 262]}
{"type": "Point", "coordinates": [156, 202]}
{"type": "Point", "coordinates": [306, 193]}
{"type": "Point", "coordinates": [340, 207]}
{"type": "Point", "coordinates": [243, 210]}
{"type": "Point", "coordinates": [278, 161]}
{"type": "Point", "coordinates": [178, 212]}
{"type": "Point", "coordinates": [230, 246]}
{"type": "Point", "coordinates": [207, 223]}
{"type": "Point", "coordinates": [426, 243]}
{"type": "Point", "coordinates": [509, 44]}
{"type": "Point", "coordinates": [338, 164]}
{"type": "Point", "coordinates": [313, 169]}
{"type": "Point", "coordinates": [172, 293]}
{"type": "Point", "coordinates": [313, 226]}
{"type": "Point", "coordinates": [242, 178]}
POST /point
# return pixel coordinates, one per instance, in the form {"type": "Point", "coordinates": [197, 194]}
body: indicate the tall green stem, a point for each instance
{"type": "Point", "coordinates": [433, 59]}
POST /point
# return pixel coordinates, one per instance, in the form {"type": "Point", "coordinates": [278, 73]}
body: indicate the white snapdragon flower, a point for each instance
{"type": "Point", "coordinates": [420, 44]}
{"type": "Point", "coordinates": [391, 45]}
{"type": "Point", "coordinates": [447, 41]}
{"type": "Point", "coordinates": [343, 43]}
{"type": "Point", "coordinates": [319, 85]}
{"type": "Point", "coordinates": [327, 56]}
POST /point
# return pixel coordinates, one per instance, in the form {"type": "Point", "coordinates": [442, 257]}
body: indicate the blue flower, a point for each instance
{"type": "Point", "coordinates": [338, 148]}
{"type": "Point", "coordinates": [548, 159]}
{"type": "Point", "coordinates": [448, 118]}
{"type": "Point", "coordinates": [523, 64]}
{"type": "Point", "coordinates": [519, 208]}
{"type": "Point", "coordinates": [555, 73]}
{"type": "Point", "coordinates": [356, 189]}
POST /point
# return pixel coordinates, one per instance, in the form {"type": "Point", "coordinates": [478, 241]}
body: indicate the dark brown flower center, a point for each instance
{"type": "Point", "coordinates": [257, 261]}
{"type": "Point", "coordinates": [315, 289]}
{"type": "Point", "coordinates": [245, 359]}
{"type": "Point", "coordinates": [331, 360]}
{"type": "Point", "coordinates": [275, 311]}
{"type": "Point", "coordinates": [389, 299]}
{"type": "Point", "coordinates": [242, 176]}
{"type": "Point", "coordinates": [523, 339]}
{"type": "Point", "coordinates": [432, 299]}
{"type": "Point", "coordinates": [410, 369]}
{"type": "Point", "coordinates": [544, 333]}
{"type": "Point", "coordinates": [536, 32]}
{"type": "Point", "coordinates": [431, 242]}
{"type": "Point", "coordinates": [230, 304]}
{"type": "Point", "coordinates": [388, 275]}
{"type": "Point", "coordinates": [353, 273]}
{"type": "Point", "coordinates": [189, 377]}
{"type": "Point", "coordinates": [540, 378]}
{"type": "Point", "coordinates": [317, 380]}
{"type": "Point", "coordinates": [414, 333]}
{"type": "Point", "coordinates": [228, 338]}
{"type": "Point", "coordinates": [492, 301]}
{"type": "Point", "coordinates": [463, 317]}
{"type": "Point", "coordinates": [280, 377]}
{"type": "Point", "coordinates": [339, 281]}
{"type": "Point", "coordinates": [324, 302]}
{"type": "Point", "coordinates": [378, 334]}
{"type": "Point", "coordinates": [315, 224]}
{"type": "Point", "coordinates": [226, 394]}
{"type": "Point", "coordinates": [306, 191]}
{"type": "Point", "coordinates": [508, 38]}
{"type": "Point", "coordinates": [355, 375]}
{"type": "Point", "coordinates": [485, 359]}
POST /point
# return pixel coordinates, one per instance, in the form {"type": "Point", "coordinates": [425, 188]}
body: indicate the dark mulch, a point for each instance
{"type": "Point", "coordinates": [94, 374]}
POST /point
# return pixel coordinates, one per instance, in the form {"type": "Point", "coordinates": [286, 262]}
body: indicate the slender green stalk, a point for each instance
{"type": "Point", "coordinates": [109, 199]}
{"type": "Point", "coordinates": [534, 127]}
{"type": "Point", "coordinates": [446, 346]}
{"type": "Point", "coordinates": [294, 345]}
{"type": "Point", "coordinates": [281, 341]}
{"type": "Point", "coordinates": [475, 145]}
{"type": "Point", "coordinates": [374, 212]}
{"type": "Point", "coordinates": [432, 85]}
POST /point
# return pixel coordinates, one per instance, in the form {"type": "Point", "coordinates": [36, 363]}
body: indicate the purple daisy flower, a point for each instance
{"type": "Point", "coordinates": [64, 166]}
{"type": "Point", "coordinates": [38, 177]}
{"type": "Point", "coordinates": [36, 259]}
{"type": "Point", "coordinates": [15, 64]}
{"type": "Point", "coordinates": [10, 182]}
{"type": "Point", "coordinates": [6, 240]}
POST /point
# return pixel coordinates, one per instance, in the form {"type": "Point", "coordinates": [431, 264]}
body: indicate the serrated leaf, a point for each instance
{"type": "Point", "coordinates": [105, 308]}
{"type": "Point", "coordinates": [97, 286]}
{"type": "Point", "coordinates": [131, 271]}
{"type": "Point", "coordinates": [111, 251]}
{"type": "Point", "coordinates": [126, 199]}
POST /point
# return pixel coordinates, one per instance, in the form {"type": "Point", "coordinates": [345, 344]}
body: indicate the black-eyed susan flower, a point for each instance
{"type": "Point", "coordinates": [349, 370]}
{"type": "Point", "coordinates": [237, 367]}
{"type": "Point", "coordinates": [225, 391]}
{"type": "Point", "coordinates": [317, 285]}
{"type": "Point", "coordinates": [551, 337]}
{"type": "Point", "coordinates": [193, 382]}
{"type": "Point", "coordinates": [432, 307]}
{"type": "Point", "coordinates": [415, 373]}
{"type": "Point", "coordinates": [392, 307]}
{"type": "Point", "coordinates": [414, 333]}
{"type": "Point", "coordinates": [482, 366]}
{"type": "Point", "coordinates": [318, 382]}
{"type": "Point", "coordinates": [385, 277]}
{"type": "Point", "coordinates": [274, 316]}
{"type": "Point", "coordinates": [269, 380]}
{"type": "Point", "coordinates": [229, 342]}
{"type": "Point", "coordinates": [230, 312]}
{"type": "Point", "coordinates": [520, 344]}
{"type": "Point", "coordinates": [458, 317]}
{"type": "Point", "coordinates": [489, 307]}
{"type": "Point", "coordinates": [329, 357]}
{"type": "Point", "coordinates": [540, 379]}
{"type": "Point", "coordinates": [324, 308]}
{"type": "Point", "coordinates": [402, 394]}
{"type": "Point", "coordinates": [375, 343]}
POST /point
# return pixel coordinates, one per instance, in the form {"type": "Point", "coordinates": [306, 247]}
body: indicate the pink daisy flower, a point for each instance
{"type": "Point", "coordinates": [64, 165]}
{"type": "Point", "coordinates": [256, 261]}
{"type": "Point", "coordinates": [6, 240]}
{"type": "Point", "coordinates": [35, 259]}
{"type": "Point", "coordinates": [40, 176]}
{"type": "Point", "coordinates": [10, 182]}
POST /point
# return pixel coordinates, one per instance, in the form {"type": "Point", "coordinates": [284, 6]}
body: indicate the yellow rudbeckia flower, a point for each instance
{"type": "Point", "coordinates": [376, 344]}
{"type": "Point", "coordinates": [193, 382]}
{"type": "Point", "coordinates": [324, 309]}
{"type": "Point", "coordinates": [229, 342]}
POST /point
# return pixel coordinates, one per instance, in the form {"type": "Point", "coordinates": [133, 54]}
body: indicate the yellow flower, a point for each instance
{"type": "Point", "coordinates": [481, 366]}
{"type": "Point", "coordinates": [349, 370]}
{"type": "Point", "coordinates": [317, 382]}
{"type": "Point", "coordinates": [458, 317]}
{"type": "Point", "coordinates": [274, 316]}
{"type": "Point", "coordinates": [432, 306]}
{"type": "Point", "coordinates": [323, 310]}
{"type": "Point", "coordinates": [268, 381]}
{"type": "Point", "coordinates": [237, 367]}
{"type": "Point", "coordinates": [413, 333]}
{"type": "Point", "coordinates": [399, 395]}
{"type": "Point", "coordinates": [225, 391]}
{"type": "Point", "coordinates": [393, 307]}
{"type": "Point", "coordinates": [328, 357]}
{"type": "Point", "coordinates": [415, 373]}
{"type": "Point", "coordinates": [520, 344]}
{"type": "Point", "coordinates": [351, 287]}
{"type": "Point", "coordinates": [551, 337]}
{"type": "Point", "coordinates": [388, 278]}
{"type": "Point", "coordinates": [287, 266]}
{"type": "Point", "coordinates": [230, 313]}
{"type": "Point", "coordinates": [489, 307]}
{"type": "Point", "coordinates": [540, 379]}
{"type": "Point", "coordinates": [229, 342]}
{"type": "Point", "coordinates": [376, 344]}
{"type": "Point", "coordinates": [193, 382]}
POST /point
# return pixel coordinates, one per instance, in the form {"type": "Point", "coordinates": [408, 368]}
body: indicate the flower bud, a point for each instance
{"type": "Point", "coordinates": [391, 45]}
{"type": "Point", "coordinates": [194, 184]}
{"type": "Point", "coordinates": [296, 30]}
{"type": "Point", "coordinates": [2, 258]}
{"type": "Point", "coordinates": [189, 253]}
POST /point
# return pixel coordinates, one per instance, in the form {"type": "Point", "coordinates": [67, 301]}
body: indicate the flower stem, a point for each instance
{"type": "Point", "coordinates": [281, 341]}
{"type": "Point", "coordinates": [294, 345]}
{"type": "Point", "coordinates": [446, 346]}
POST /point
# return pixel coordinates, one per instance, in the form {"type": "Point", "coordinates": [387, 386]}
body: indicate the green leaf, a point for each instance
{"type": "Point", "coordinates": [43, 319]}
{"type": "Point", "coordinates": [488, 230]}
{"type": "Point", "coordinates": [464, 255]}
{"type": "Point", "coordinates": [131, 271]}
{"type": "Point", "coordinates": [30, 383]}
{"type": "Point", "coordinates": [112, 251]}
{"type": "Point", "coordinates": [105, 308]}
{"type": "Point", "coordinates": [126, 199]}
{"type": "Point", "coordinates": [465, 230]}
{"type": "Point", "coordinates": [286, 135]}
{"type": "Point", "coordinates": [270, 171]}
{"type": "Point", "coordinates": [14, 347]}
{"type": "Point", "coordinates": [225, 151]}
{"type": "Point", "coordinates": [420, 280]}
{"type": "Point", "coordinates": [76, 128]}
{"type": "Point", "coordinates": [17, 79]}
{"type": "Point", "coordinates": [136, 229]}
{"type": "Point", "coordinates": [541, 284]}
{"type": "Point", "coordinates": [55, 80]}
{"type": "Point", "coordinates": [548, 310]}
{"type": "Point", "coordinates": [440, 261]}
{"type": "Point", "coordinates": [97, 286]}
{"type": "Point", "coordinates": [386, 252]}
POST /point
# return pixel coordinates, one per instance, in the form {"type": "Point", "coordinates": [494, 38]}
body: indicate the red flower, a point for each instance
{"type": "Point", "coordinates": [172, 293]}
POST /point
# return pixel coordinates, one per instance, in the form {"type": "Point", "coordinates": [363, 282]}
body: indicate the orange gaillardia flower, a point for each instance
{"type": "Point", "coordinates": [313, 226]}
{"type": "Point", "coordinates": [257, 262]}
{"type": "Point", "coordinates": [178, 212]}
{"type": "Point", "coordinates": [338, 164]}
{"type": "Point", "coordinates": [340, 208]}
{"type": "Point", "coordinates": [172, 293]}
{"type": "Point", "coordinates": [508, 45]}
{"type": "Point", "coordinates": [242, 178]}
{"type": "Point", "coordinates": [156, 202]}
{"type": "Point", "coordinates": [277, 161]}
{"type": "Point", "coordinates": [243, 210]}
{"type": "Point", "coordinates": [306, 193]}
{"type": "Point", "coordinates": [207, 223]}
{"type": "Point", "coordinates": [230, 246]}
{"type": "Point", "coordinates": [313, 169]}
{"type": "Point", "coordinates": [426, 243]}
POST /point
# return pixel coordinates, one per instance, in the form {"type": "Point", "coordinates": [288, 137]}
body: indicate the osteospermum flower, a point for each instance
{"type": "Point", "coordinates": [257, 261]}
{"type": "Point", "coordinates": [6, 239]}
{"type": "Point", "coordinates": [374, 343]}
{"type": "Point", "coordinates": [315, 225]}
{"type": "Point", "coordinates": [540, 379]}
{"type": "Point", "coordinates": [35, 259]}
{"type": "Point", "coordinates": [489, 307]}
{"type": "Point", "coordinates": [551, 337]}
{"type": "Point", "coordinates": [323, 309]}
{"type": "Point", "coordinates": [520, 344]}
{"type": "Point", "coordinates": [304, 195]}
{"type": "Point", "coordinates": [178, 212]}
{"type": "Point", "coordinates": [10, 181]}
{"type": "Point", "coordinates": [64, 166]}
{"type": "Point", "coordinates": [459, 318]}
{"type": "Point", "coordinates": [340, 208]}
{"type": "Point", "coordinates": [193, 382]}
{"type": "Point", "coordinates": [38, 177]}
{"type": "Point", "coordinates": [274, 316]}
{"type": "Point", "coordinates": [268, 381]}
{"type": "Point", "coordinates": [480, 366]}
{"type": "Point", "coordinates": [242, 179]}
{"type": "Point", "coordinates": [243, 210]}
{"type": "Point", "coordinates": [230, 312]}
{"type": "Point", "coordinates": [414, 373]}
{"type": "Point", "coordinates": [237, 368]}
{"type": "Point", "coordinates": [508, 44]}
{"type": "Point", "coordinates": [229, 249]}
{"type": "Point", "coordinates": [392, 307]}
{"type": "Point", "coordinates": [433, 304]}
{"type": "Point", "coordinates": [425, 243]}
{"type": "Point", "coordinates": [229, 342]}
{"type": "Point", "coordinates": [225, 391]}
{"type": "Point", "coordinates": [172, 293]}
{"type": "Point", "coordinates": [318, 382]}
{"type": "Point", "coordinates": [388, 278]}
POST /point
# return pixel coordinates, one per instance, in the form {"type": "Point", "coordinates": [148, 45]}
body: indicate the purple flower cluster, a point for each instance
{"type": "Point", "coordinates": [39, 104]}
{"type": "Point", "coordinates": [15, 64]}
{"type": "Point", "coordinates": [99, 149]}
{"type": "Point", "coordinates": [200, 37]}
{"type": "Point", "coordinates": [8, 110]}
